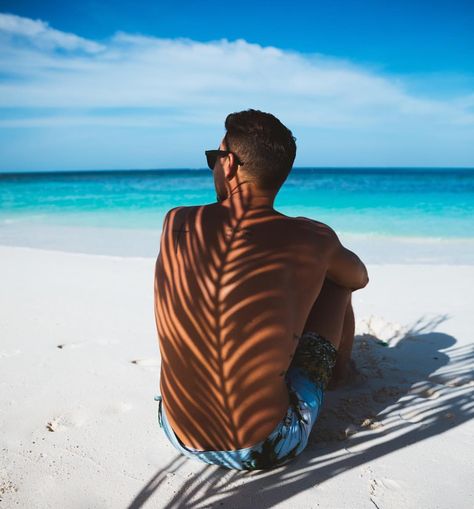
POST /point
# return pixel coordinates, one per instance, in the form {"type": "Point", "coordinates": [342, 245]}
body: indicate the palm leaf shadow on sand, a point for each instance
{"type": "Point", "coordinates": [407, 392]}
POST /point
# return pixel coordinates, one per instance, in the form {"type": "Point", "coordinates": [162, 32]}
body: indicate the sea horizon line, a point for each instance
{"type": "Point", "coordinates": [316, 169]}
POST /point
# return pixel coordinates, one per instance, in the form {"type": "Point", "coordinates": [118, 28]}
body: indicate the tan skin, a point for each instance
{"type": "Point", "coordinates": [236, 285]}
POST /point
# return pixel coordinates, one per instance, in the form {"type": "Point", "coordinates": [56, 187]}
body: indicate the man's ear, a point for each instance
{"type": "Point", "coordinates": [231, 166]}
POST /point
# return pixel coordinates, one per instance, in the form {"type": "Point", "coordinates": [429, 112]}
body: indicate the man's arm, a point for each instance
{"type": "Point", "coordinates": [345, 268]}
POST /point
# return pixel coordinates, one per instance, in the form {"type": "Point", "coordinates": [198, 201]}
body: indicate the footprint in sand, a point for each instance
{"type": "Point", "coordinates": [11, 353]}
{"type": "Point", "coordinates": [106, 341]}
{"type": "Point", "coordinates": [63, 422]}
{"type": "Point", "coordinates": [414, 416]}
{"type": "Point", "coordinates": [120, 408]}
{"type": "Point", "coordinates": [458, 381]}
{"type": "Point", "coordinates": [426, 391]}
{"type": "Point", "coordinates": [378, 487]}
{"type": "Point", "coordinates": [151, 363]}
{"type": "Point", "coordinates": [97, 341]}
{"type": "Point", "coordinates": [67, 346]}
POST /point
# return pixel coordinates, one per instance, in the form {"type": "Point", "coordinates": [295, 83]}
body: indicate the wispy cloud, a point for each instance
{"type": "Point", "coordinates": [134, 80]}
{"type": "Point", "coordinates": [41, 35]}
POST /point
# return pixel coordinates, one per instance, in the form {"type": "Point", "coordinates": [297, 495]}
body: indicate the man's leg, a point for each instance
{"type": "Point", "coordinates": [333, 318]}
{"type": "Point", "coordinates": [345, 368]}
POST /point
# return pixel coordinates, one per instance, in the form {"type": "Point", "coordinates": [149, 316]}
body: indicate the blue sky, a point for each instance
{"type": "Point", "coordinates": [142, 84]}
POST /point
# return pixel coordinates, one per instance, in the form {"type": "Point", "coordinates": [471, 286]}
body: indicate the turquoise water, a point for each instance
{"type": "Point", "coordinates": [430, 203]}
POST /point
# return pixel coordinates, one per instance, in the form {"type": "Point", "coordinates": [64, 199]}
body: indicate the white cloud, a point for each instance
{"type": "Point", "coordinates": [42, 35]}
{"type": "Point", "coordinates": [200, 82]}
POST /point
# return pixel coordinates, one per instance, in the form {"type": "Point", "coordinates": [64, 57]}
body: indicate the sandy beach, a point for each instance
{"type": "Point", "coordinates": [80, 367]}
{"type": "Point", "coordinates": [229, 136]}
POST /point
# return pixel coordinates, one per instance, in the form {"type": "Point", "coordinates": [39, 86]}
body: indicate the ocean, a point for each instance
{"type": "Point", "coordinates": [392, 215]}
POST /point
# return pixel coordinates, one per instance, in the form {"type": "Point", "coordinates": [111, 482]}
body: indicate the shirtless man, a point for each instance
{"type": "Point", "coordinates": [253, 308]}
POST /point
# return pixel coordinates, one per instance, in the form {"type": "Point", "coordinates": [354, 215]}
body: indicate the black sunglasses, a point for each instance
{"type": "Point", "coordinates": [212, 155]}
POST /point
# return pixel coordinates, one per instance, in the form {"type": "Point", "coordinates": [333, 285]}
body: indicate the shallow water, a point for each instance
{"type": "Point", "coordinates": [425, 207]}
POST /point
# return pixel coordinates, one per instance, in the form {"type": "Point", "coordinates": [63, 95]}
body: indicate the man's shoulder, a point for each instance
{"type": "Point", "coordinates": [319, 235]}
{"type": "Point", "coordinates": [179, 209]}
{"type": "Point", "coordinates": [178, 213]}
{"type": "Point", "coordinates": [315, 226]}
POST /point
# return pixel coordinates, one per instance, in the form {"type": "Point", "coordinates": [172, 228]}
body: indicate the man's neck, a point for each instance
{"type": "Point", "coordinates": [249, 197]}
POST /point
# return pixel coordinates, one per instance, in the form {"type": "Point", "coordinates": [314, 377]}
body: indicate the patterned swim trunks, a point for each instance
{"type": "Point", "coordinates": [307, 377]}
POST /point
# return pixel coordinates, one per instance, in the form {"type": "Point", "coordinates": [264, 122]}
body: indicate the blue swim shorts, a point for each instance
{"type": "Point", "coordinates": [306, 378]}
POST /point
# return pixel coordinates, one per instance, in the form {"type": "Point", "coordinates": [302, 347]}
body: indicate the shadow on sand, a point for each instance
{"type": "Point", "coordinates": [407, 391]}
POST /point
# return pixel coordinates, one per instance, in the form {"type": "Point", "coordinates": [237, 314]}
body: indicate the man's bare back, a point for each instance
{"type": "Point", "coordinates": [253, 308]}
{"type": "Point", "coordinates": [235, 283]}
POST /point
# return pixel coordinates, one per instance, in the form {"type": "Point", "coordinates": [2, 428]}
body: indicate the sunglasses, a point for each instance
{"type": "Point", "coordinates": [212, 155]}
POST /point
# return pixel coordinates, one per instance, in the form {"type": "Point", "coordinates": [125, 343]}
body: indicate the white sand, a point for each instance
{"type": "Point", "coordinates": [79, 368]}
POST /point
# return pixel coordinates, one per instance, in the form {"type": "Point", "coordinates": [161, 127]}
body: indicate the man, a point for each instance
{"type": "Point", "coordinates": [251, 307]}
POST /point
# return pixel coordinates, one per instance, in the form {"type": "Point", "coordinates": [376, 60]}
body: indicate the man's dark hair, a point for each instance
{"type": "Point", "coordinates": [265, 146]}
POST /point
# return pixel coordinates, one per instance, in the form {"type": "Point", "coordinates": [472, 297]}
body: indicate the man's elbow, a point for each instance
{"type": "Point", "coordinates": [363, 280]}
{"type": "Point", "coordinates": [353, 283]}
{"type": "Point", "coordinates": [366, 281]}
